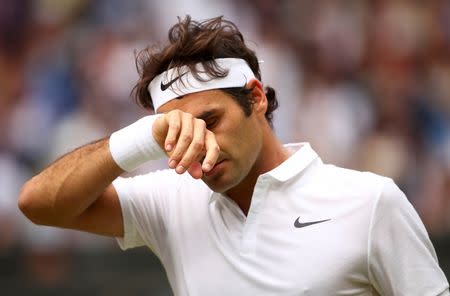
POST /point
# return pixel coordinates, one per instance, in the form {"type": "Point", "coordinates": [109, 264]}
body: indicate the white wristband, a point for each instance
{"type": "Point", "coordinates": [134, 145]}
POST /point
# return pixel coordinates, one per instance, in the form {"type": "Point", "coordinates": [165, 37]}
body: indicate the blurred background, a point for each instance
{"type": "Point", "coordinates": [366, 82]}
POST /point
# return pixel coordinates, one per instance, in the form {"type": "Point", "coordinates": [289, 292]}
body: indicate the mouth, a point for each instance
{"type": "Point", "coordinates": [216, 168]}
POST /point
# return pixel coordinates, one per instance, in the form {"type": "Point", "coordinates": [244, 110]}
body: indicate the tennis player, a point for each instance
{"type": "Point", "coordinates": [237, 212]}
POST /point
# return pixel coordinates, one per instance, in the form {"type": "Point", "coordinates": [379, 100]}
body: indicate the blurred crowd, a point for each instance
{"type": "Point", "coordinates": [367, 83]}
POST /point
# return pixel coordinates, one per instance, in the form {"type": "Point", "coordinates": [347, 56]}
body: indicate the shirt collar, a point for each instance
{"type": "Point", "coordinates": [302, 156]}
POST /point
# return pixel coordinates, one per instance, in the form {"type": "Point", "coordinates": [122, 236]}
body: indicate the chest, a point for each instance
{"type": "Point", "coordinates": [287, 245]}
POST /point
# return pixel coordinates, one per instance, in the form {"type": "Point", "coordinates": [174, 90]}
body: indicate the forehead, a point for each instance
{"type": "Point", "coordinates": [195, 103]}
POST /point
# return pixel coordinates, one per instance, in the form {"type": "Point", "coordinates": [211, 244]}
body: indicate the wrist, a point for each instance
{"type": "Point", "coordinates": [134, 145]}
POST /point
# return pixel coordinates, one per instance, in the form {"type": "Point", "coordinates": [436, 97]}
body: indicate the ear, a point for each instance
{"type": "Point", "coordinates": [258, 96]}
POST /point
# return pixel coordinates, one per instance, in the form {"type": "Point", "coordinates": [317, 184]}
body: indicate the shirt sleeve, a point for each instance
{"type": "Point", "coordinates": [144, 201]}
{"type": "Point", "coordinates": [401, 257]}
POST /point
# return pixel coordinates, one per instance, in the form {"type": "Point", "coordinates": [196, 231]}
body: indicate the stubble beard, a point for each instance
{"type": "Point", "coordinates": [217, 183]}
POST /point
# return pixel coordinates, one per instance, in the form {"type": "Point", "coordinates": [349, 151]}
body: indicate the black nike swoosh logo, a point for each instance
{"type": "Point", "coordinates": [166, 85]}
{"type": "Point", "coordinates": [299, 224]}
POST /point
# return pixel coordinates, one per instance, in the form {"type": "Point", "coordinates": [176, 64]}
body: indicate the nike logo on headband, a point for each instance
{"type": "Point", "coordinates": [168, 85]}
{"type": "Point", "coordinates": [165, 86]}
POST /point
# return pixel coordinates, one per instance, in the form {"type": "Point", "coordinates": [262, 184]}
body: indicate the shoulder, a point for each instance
{"type": "Point", "coordinates": [382, 196]}
{"type": "Point", "coordinates": [347, 182]}
{"type": "Point", "coordinates": [345, 175]}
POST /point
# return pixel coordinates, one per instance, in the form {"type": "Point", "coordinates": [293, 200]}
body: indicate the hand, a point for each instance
{"type": "Point", "coordinates": [186, 141]}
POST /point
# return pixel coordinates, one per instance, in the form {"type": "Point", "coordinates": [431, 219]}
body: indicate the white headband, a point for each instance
{"type": "Point", "coordinates": [180, 81]}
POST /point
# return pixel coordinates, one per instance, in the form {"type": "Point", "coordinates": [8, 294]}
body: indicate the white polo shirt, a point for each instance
{"type": "Point", "coordinates": [312, 229]}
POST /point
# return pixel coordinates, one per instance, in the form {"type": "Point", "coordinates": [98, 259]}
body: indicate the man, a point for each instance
{"type": "Point", "coordinates": [251, 216]}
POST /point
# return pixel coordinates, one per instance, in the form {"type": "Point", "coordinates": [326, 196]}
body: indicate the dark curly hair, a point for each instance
{"type": "Point", "coordinates": [192, 42]}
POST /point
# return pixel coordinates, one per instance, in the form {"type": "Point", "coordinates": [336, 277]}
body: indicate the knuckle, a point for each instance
{"type": "Point", "coordinates": [186, 160]}
{"type": "Point", "coordinates": [170, 139]}
{"type": "Point", "coordinates": [173, 113]}
{"type": "Point", "coordinates": [197, 145]}
{"type": "Point", "coordinates": [176, 155]}
{"type": "Point", "coordinates": [186, 138]}
{"type": "Point", "coordinates": [175, 125]}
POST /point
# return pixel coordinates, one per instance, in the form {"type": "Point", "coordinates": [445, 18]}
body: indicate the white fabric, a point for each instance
{"type": "Point", "coordinates": [134, 145]}
{"type": "Point", "coordinates": [239, 74]}
{"type": "Point", "coordinates": [373, 244]}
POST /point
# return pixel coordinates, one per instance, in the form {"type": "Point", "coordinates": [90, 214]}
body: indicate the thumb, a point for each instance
{"type": "Point", "coordinates": [159, 130]}
{"type": "Point", "coordinates": [195, 170]}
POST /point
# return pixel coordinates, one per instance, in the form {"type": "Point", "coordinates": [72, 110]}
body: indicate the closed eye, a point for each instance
{"type": "Point", "coordinates": [211, 122]}
{"type": "Point", "coordinates": [210, 117]}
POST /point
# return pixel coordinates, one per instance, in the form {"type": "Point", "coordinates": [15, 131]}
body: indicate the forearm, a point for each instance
{"type": "Point", "coordinates": [70, 185]}
{"type": "Point", "coordinates": [75, 191]}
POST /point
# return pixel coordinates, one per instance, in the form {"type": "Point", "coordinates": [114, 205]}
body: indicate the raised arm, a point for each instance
{"type": "Point", "coordinates": [76, 192]}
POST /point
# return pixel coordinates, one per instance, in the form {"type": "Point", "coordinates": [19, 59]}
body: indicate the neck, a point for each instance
{"type": "Point", "coordinates": [272, 155]}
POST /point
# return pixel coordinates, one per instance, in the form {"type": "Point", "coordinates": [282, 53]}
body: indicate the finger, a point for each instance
{"type": "Point", "coordinates": [196, 147]}
{"type": "Point", "coordinates": [212, 151]}
{"type": "Point", "coordinates": [159, 130]}
{"type": "Point", "coordinates": [183, 142]}
{"type": "Point", "coordinates": [195, 170]}
{"type": "Point", "coordinates": [174, 122]}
